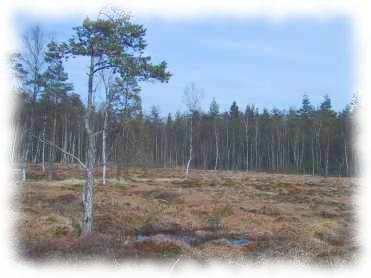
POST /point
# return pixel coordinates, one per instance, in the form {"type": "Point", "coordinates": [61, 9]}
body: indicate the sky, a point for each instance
{"type": "Point", "coordinates": [250, 60]}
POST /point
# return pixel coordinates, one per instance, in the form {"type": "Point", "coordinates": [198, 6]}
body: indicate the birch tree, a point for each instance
{"type": "Point", "coordinates": [191, 98]}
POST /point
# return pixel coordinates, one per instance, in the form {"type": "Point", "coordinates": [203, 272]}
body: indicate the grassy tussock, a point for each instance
{"type": "Point", "coordinates": [285, 216]}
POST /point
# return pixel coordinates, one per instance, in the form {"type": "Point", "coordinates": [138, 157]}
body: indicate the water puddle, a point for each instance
{"type": "Point", "coordinates": [192, 239]}
{"type": "Point", "coordinates": [239, 242]}
{"type": "Point", "coordinates": [189, 240]}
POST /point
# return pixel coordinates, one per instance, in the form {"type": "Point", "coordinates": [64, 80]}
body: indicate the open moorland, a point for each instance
{"type": "Point", "coordinates": [157, 213]}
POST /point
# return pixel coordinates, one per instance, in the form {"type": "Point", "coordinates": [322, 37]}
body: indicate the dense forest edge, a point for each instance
{"type": "Point", "coordinates": [303, 141]}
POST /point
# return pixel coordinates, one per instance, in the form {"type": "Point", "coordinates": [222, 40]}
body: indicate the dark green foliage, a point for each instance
{"type": "Point", "coordinates": [117, 44]}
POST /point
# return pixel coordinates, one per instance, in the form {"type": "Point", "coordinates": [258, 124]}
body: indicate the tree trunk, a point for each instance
{"type": "Point", "coordinates": [104, 159]}
{"type": "Point", "coordinates": [37, 152]}
{"type": "Point", "coordinates": [217, 148]}
{"type": "Point", "coordinates": [313, 158]}
{"type": "Point", "coordinates": [346, 158]}
{"type": "Point", "coordinates": [43, 148]}
{"type": "Point", "coordinates": [52, 153]}
{"type": "Point", "coordinates": [246, 124]}
{"type": "Point", "coordinates": [190, 151]}
{"type": "Point", "coordinates": [65, 139]}
{"type": "Point", "coordinates": [327, 154]}
{"type": "Point", "coordinates": [88, 193]}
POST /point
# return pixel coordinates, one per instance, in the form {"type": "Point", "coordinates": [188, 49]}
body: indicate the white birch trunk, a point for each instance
{"type": "Point", "coordinates": [190, 152]}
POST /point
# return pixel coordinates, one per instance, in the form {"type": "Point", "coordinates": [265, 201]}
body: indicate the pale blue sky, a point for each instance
{"type": "Point", "coordinates": [251, 61]}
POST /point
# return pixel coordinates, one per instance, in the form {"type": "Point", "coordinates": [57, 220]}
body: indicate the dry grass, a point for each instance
{"type": "Point", "coordinates": [284, 216]}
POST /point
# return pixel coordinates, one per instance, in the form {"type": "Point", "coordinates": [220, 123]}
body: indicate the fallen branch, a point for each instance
{"type": "Point", "coordinates": [60, 149]}
{"type": "Point", "coordinates": [97, 133]}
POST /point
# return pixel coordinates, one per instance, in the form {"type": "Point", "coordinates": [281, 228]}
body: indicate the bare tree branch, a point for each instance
{"type": "Point", "coordinates": [63, 151]}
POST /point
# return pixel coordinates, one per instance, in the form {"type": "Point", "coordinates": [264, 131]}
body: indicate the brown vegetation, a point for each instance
{"type": "Point", "coordinates": [282, 216]}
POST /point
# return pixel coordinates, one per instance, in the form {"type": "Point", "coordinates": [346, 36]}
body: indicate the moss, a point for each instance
{"type": "Point", "coordinates": [223, 211]}
{"type": "Point", "coordinates": [76, 229]}
{"type": "Point", "coordinates": [52, 220]}
{"type": "Point", "coordinates": [264, 194]}
{"type": "Point", "coordinates": [61, 231]}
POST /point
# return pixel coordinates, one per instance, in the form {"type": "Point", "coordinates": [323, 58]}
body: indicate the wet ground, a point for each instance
{"type": "Point", "coordinates": [192, 239]}
{"type": "Point", "coordinates": [160, 213]}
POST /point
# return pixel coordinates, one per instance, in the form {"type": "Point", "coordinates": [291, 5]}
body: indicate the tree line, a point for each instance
{"type": "Point", "coordinates": [308, 140]}
{"type": "Point", "coordinates": [54, 125]}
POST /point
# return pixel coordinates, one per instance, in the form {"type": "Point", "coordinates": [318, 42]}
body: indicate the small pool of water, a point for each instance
{"type": "Point", "coordinates": [192, 239]}
{"type": "Point", "coordinates": [188, 239]}
{"type": "Point", "coordinates": [239, 241]}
